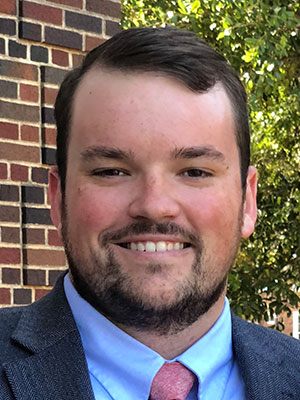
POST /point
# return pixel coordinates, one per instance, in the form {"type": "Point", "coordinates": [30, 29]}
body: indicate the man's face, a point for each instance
{"type": "Point", "coordinates": [153, 211]}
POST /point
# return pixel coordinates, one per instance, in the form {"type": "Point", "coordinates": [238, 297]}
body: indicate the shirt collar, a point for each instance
{"type": "Point", "coordinates": [211, 357]}
{"type": "Point", "coordinates": [117, 360]}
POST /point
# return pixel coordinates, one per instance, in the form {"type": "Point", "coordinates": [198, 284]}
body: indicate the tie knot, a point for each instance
{"type": "Point", "coordinates": [172, 382]}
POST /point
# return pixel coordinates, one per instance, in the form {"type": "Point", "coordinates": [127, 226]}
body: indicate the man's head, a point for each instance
{"type": "Point", "coordinates": [177, 54]}
{"type": "Point", "coordinates": [153, 206]}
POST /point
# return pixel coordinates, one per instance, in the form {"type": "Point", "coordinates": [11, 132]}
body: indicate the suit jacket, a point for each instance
{"type": "Point", "coordinates": [41, 355]}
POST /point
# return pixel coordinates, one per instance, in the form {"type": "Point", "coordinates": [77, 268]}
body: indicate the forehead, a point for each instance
{"type": "Point", "coordinates": [117, 108]}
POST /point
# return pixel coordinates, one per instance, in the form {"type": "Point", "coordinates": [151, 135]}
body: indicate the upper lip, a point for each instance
{"type": "Point", "coordinates": [152, 238]}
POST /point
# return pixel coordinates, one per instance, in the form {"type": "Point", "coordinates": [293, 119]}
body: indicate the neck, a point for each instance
{"type": "Point", "coordinates": [172, 345]}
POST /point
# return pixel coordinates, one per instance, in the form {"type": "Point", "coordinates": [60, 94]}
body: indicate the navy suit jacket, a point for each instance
{"type": "Point", "coordinates": [41, 355]}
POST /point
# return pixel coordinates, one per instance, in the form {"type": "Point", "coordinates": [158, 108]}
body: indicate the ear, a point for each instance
{"type": "Point", "coordinates": [55, 198]}
{"type": "Point", "coordinates": [250, 208]}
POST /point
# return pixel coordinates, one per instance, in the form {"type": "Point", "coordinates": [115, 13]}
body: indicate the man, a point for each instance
{"type": "Point", "coordinates": [151, 195]}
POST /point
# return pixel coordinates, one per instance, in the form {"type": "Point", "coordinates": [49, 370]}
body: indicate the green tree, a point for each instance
{"type": "Point", "coordinates": [260, 38]}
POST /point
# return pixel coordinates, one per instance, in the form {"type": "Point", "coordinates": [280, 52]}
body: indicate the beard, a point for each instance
{"type": "Point", "coordinates": [112, 292]}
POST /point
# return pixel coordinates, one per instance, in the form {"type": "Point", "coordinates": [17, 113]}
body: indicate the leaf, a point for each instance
{"type": "Point", "coordinates": [181, 7]}
{"type": "Point", "coordinates": [220, 35]}
{"type": "Point", "coordinates": [195, 6]}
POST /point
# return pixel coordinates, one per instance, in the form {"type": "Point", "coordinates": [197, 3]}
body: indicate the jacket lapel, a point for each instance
{"type": "Point", "coordinates": [55, 367]}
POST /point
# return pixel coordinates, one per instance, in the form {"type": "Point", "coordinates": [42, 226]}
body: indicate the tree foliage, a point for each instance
{"type": "Point", "coordinates": [260, 38]}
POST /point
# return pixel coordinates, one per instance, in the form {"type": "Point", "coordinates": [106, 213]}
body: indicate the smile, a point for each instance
{"type": "Point", "coordinates": [150, 246]}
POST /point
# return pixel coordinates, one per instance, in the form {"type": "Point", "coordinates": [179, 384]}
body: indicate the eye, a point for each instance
{"type": "Point", "coordinates": [196, 173]}
{"type": "Point", "coordinates": [109, 172]}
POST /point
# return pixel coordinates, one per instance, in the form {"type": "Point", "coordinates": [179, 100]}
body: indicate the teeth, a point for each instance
{"type": "Point", "coordinates": [161, 246]}
{"type": "Point", "coordinates": [156, 246]}
{"type": "Point", "coordinates": [150, 246]}
{"type": "Point", "coordinates": [133, 246]}
{"type": "Point", "coordinates": [170, 246]}
{"type": "Point", "coordinates": [140, 246]}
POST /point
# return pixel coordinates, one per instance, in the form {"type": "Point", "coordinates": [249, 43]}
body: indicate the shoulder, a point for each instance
{"type": "Point", "coordinates": [9, 319]}
{"type": "Point", "coordinates": [266, 342]}
{"type": "Point", "coordinates": [242, 327]}
{"type": "Point", "coordinates": [269, 361]}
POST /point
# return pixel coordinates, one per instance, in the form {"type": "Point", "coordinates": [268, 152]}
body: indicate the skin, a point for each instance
{"type": "Point", "coordinates": [149, 119]}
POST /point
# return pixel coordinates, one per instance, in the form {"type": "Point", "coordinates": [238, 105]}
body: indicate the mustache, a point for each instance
{"type": "Point", "coordinates": [144, 227]}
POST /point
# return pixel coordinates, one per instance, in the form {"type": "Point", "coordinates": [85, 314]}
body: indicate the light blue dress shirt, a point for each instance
{"type": "Point", "coordinates": [121, 368]}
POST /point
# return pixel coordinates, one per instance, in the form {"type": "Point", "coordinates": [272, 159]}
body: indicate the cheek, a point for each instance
{"type": "Point", "coordinates": [93, 210]}
{"type": "Point", "coordinates": [214, 212]}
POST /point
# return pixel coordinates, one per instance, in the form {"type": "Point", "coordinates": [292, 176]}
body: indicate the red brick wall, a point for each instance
{"type": "Point", "coordinates": [40, 40]}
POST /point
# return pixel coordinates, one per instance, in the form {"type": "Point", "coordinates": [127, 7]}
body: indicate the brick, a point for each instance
{"type": "Point", "coordinates": [4, 296]}
{"type": "Point", "coordinates": [63, 38]}
{"type": "Point", "coordinates": [48, 156]}
{"type": "Point", "coordinates": [9, 193]}
{"type": "Point", "coordinates": [18, 70]}
{"type": "Point", "coordinates": [53, 75]}
{"type": "Point", "coordinates": [9, 214]}
{"type": "Point", "coordinates": [49, 95]}
{"type": "Point", "coordinates": [44, 257]}
{"type": "Point", "coordinates": [7, 26]}
{"type": "Point", "coordinates": [10, 235]}
{"type": "Point", "coordinates": [19, 112]}
{"type": "Point", "coordinates": [105, 7]}
{"type": "Point", "coordinates": [16, 152]}
{"type": "Point", "coordinates": [9, 255]}
{"type": "Point", "coordinates": [71, 3]}
{"type": "Point", "coordinates": [11, 276]}
{"type": "Point", "coordinates": [41, 12]}
{"type": "Point", "coordinates": [60, 58]}
{"type": "Point", "coordinates": [86, 23]}
{"type": "Point", "coordinates": [91, 42]}
{"type": "Point", "coordinates": [8, 131]}
{"type": "Point", "coordinates": [48, 115]}
{"type": "Point", "coordinates": [19, 172]}
{"type": "Point", "coordinates": [39, 293]}
{"type": "Point", "coordinates": [53, 238]}
{"type": "Point", "coordinates": [3, 171]}
{"type": "Point", "coordinates": [2, 46]}
{"type": "Point", "coordinates": [39, 53]}
{"type": "Point", "coordinates": [8, 89]}
{"type": "Point", "coordinates": [77, 60]}
{"type": "Point", "coordinates": [111, 28]}
{"type": "Point", "coordinates": [8, 7]}
{"type": "Point", "coordinates": [30, 31]}
{"type": "Point", "coordinates": [17, 49]}
{"type": "Point", "coordinates": [39, 175]}
{"type": "Point", "coordinates": [29, 93]}
{"type": "Point", "coordinates": [53, 276]}
{"type": "Point", "coordinates": [49, 136]}
{"type": "Point", "coordinates": [36, 216]}
{"type": "Point", "coordinates": [35, 277]}
{"type": "Point", "coordinates": [22, 296]}
{"type": "Point", "coordinates": [30, 133]}
{"type": "Point", "coordinates": [32, 194]}
{"type": "Point", "coordinates": [33, 236]}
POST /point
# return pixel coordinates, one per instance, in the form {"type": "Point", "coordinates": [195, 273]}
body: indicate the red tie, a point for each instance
{"type": "Point", "coordinates": [172, 382]}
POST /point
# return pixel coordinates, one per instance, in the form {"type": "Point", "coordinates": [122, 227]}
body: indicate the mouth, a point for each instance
{"type": "Point", "coordinates": [151, 246]}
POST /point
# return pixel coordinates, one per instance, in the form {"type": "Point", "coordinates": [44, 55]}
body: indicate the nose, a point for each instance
{"type": "Point", "coordinates": [154, 200]}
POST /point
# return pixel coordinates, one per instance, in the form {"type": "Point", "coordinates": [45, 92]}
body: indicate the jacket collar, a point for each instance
{"type": "Point", "coordinates": [55, 367]}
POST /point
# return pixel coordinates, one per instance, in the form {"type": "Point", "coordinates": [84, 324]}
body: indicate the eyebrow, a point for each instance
{"type": "Point", "coordinates": [96, 152]}
{"type": "Point", "coordinates": [198, 151]}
